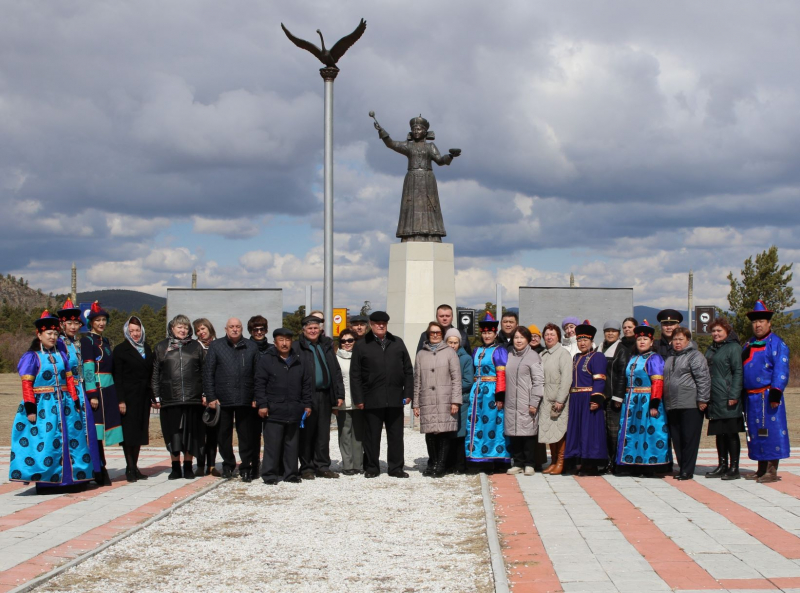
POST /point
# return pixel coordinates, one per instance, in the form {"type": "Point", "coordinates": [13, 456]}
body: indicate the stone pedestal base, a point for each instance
{"type": "Point", "coordinates": [421, 277]}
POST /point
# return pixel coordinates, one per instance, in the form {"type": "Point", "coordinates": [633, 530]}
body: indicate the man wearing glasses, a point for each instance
{"type": "Point", "coordinates": [257, 327]}
{"type": "Point", "coordinates": [381, 383]}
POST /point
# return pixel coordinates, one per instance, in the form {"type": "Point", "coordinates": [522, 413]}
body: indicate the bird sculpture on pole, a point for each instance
{"type": "Point", "coordinates": [329, 57]}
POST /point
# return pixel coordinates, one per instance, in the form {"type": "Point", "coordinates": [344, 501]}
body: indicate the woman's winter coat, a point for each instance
{"type": "Point", "coordinates": [687, 381]}
{"type": "Point", "coordinates": [557, 365]}
{"type": "Point", "coordinates": [524, 389]}
{"type": "Point", "coordinates": [437, 385]}
{"type": "Point", "coordinates": [467, 379]}
{"type": "Point", "coordinates": [178, 374]}
{"type": "Point", "coordinates": [725, 365]}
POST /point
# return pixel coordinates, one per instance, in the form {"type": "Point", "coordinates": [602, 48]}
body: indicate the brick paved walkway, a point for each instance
{"type": "Point", "coordinates": [41, 532]}
{"type": "Point", "coordinates": [565, 533]}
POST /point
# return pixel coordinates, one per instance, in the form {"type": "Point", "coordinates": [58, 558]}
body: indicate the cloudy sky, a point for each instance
{"type": "Point", "coordinates": [620, 141]}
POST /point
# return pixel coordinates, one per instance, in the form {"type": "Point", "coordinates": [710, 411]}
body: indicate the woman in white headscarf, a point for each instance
{"type": "Point", "coordinates": [131, 369]}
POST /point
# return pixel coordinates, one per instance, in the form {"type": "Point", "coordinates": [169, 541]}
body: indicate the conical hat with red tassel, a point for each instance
{"type": "Point", "coordinates": [489, 322]}
{"type": "Point", "coordinates": [97, 311]}
{"type": "Point", "coordinates": [70, 312]}
{"type": "Point", "coordinates": [760, 311]}
{"type": "Point", "coordinates": [47, 322]}
{"type": "Point", "coordinates": [644, 330]}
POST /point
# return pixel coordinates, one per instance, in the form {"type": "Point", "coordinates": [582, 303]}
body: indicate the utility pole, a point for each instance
{"type": "Point", "coordinates": [74, 286]}
{"type": "Point", "coordinates": [194, 279]}
{"type": "Point", "coordinates": [571, 280]}
{"type": "Point", "coordinates": [691, 299]}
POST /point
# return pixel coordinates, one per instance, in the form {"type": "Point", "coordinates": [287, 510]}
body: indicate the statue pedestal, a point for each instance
{"type": "Point", "coordinates": [421, 277]}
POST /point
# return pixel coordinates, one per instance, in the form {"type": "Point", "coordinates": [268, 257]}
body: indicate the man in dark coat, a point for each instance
{"type": "Point", "coordinates": [284, 390]}
{"type": "Point", "coordinates": [381, 383]}
{"type": "Point", "coordinates": [316, 352]}
{"type": "Point", "coordinates": [508, 323]}
{"type": "Point", "coordinates": [228, 382]}
{"type": "Point", "coordinates": [359, 324]}
{"type": "Point", "coordinates": [444, 315]}
{"type": "Point", "coordinates": [617, 358]}
{"type": "Point", "coordinates": [669, 320]}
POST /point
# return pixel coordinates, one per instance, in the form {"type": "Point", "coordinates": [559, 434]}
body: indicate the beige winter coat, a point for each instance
{"type": "Point", "coordinates": [557, 365]}
{"type": "Point", "coordinates": [437, 385]}
{"type": "Point", "coordinates": [524, 389]}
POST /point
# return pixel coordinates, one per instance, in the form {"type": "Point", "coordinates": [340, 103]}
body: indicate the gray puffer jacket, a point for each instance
{"type": "Point", "coordinates": [687, 381]}
{"type": "Point", "coordinates": [437, 385]}
{"type": "Point", "coordinates": [524, 389]}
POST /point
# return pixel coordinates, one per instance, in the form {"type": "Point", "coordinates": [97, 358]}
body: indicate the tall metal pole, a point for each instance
{"type": "Point", "coordinates": [328, 75]}
{"type": "Point", "coordinates": [691, 299]}
{"type": "Point", "coordinates": [499, 289]}
{"type": "Point", "coordinates": [309, 304]}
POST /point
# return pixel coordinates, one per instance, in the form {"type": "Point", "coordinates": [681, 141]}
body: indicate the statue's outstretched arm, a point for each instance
{"type": "Point", "coordinates": [401, 147]}
{"type": "Point", "coordinates": [439, 159]}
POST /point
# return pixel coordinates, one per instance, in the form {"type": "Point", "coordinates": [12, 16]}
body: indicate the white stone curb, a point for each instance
{"type": "Point", "coordinates": [496, 554]}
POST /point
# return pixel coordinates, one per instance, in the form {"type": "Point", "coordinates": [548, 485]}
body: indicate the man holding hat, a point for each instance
{"type": "Point", "coordinates": [617, 358]}
{"type": "Point", "coordinates": [316, 352]}
{"type": "Point", "coordinates": [586, 427]}
{"type": "Point", "coordinates": [381, 383]}
{"type": "Point", "coordinates": [669, 320]}
{"type": "Point", "coordinates": [765, 360]}
{"type": "Point", "coordinates": [284, 389]}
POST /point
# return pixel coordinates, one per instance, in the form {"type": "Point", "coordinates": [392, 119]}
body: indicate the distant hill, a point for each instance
{"type": "Point", "coordinates": [16, 293]}
{"type": "Point", "coordinates": [123, 300]}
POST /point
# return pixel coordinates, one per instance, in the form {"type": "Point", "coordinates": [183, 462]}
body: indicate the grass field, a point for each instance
{"type": "Point", "coordinates": [10, 397]}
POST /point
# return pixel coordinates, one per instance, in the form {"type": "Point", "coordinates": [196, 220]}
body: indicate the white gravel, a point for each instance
{"type": "Point", "coordinates": [350, 534]}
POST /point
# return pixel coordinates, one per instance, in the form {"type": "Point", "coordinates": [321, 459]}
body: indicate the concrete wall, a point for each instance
{"type": "Point", "coordinates": [544, 305]}
{"type": "Point", "coordinates": [220, 304]}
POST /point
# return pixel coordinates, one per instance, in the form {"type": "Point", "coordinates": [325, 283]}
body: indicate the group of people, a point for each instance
{"type": "Point", "coordinates": [618, 406]}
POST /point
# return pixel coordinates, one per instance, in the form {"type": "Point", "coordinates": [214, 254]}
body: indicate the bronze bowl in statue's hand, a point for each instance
{"type": "Point", "coordinates": [455, 152]}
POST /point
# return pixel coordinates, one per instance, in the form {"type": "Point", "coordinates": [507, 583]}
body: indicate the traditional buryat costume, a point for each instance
{"type": "Point", "coordinates": [765, 376]}
{"type": "Point", "coordinates": [54, 448]}
{"type": "Point", "coordinates": [485, 441]}
{"type": "Point", "coordinates": [586, 429]}
{"type": "Point", "coordinates": [643, 439]}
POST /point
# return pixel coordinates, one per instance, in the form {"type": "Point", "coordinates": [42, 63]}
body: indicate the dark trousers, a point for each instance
{"type": "Point", "coordinates": [612, 431]}
{"type": "Point", "coordinates": [685, 427]}
{"type": "Point", "coordinates": [374, 421]}
{"type": "Point", "coordinates": [246, 419]}
{"type": "Point", "coordinates": [457, 456]}
{"type": "Point", "coordinates": [281, 447]}
{"type": "Point", "coordinates": [315, 437]}
{"type": "Point", "coordinates": [209, 458]}
{"type": "Point", "coordinates": [524, 451]}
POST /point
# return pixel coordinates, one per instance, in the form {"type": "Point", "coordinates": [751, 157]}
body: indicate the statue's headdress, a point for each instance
{"type": "Point", "coordinates": [425, 124]}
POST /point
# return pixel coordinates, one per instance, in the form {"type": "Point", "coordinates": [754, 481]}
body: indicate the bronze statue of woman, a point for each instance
{"type": "Point", "coordinates": [420, 212]}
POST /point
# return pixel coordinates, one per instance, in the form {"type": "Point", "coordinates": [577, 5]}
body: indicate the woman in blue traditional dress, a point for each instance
{"type": "Point", "coordinates": [99, 385]}
{"type": "Point", "coordinates": [643, 445]}
{"type": "Point", "coordinates": [486, 441]}
{"type": "Point", "coordinates": [71, 322]}
{"type": "Point", "coordinates": [48, 439]}
{"type": "Point", "coordinates": [586, 426]}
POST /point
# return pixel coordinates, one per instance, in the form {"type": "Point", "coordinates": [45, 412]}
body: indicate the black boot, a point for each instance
{"type": "Point", "coordinates": [733, 472]}
{"type": "Point", "coordinates": [188, 473]}
{"type": "Point", "coordinates": [176, 471]}
{"type": "Point", "coordinates": [430, 443]}
{"type": "Point", "coordinates": [722, 454]}
{"type": "Point", "coordinates": [441, 455]}
{"type": "Point", "coordinates": [130, 474]}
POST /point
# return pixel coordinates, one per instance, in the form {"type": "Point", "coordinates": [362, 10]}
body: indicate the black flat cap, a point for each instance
{"type": "Point", "coordinates": [282, 331]}
{"type": "Point", "coordinates": [379, 316]}
{"type": "Point", "coordinates": [669, 316]}
{"type": "Point", "coordinates": [359, 319]}
{"type": "Point", "coordinates": [311, 319]}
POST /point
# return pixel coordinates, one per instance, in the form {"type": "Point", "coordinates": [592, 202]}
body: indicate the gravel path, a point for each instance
{"type": "Point", "coordinates": [350, 534]}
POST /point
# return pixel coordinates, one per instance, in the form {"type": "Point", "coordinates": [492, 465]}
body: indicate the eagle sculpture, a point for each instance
{"type": "Point", "coordinates": [329, 57]}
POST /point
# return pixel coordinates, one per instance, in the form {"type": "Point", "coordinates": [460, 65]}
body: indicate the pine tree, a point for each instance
{"type": "Point", "coordinates": [763, 279]}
